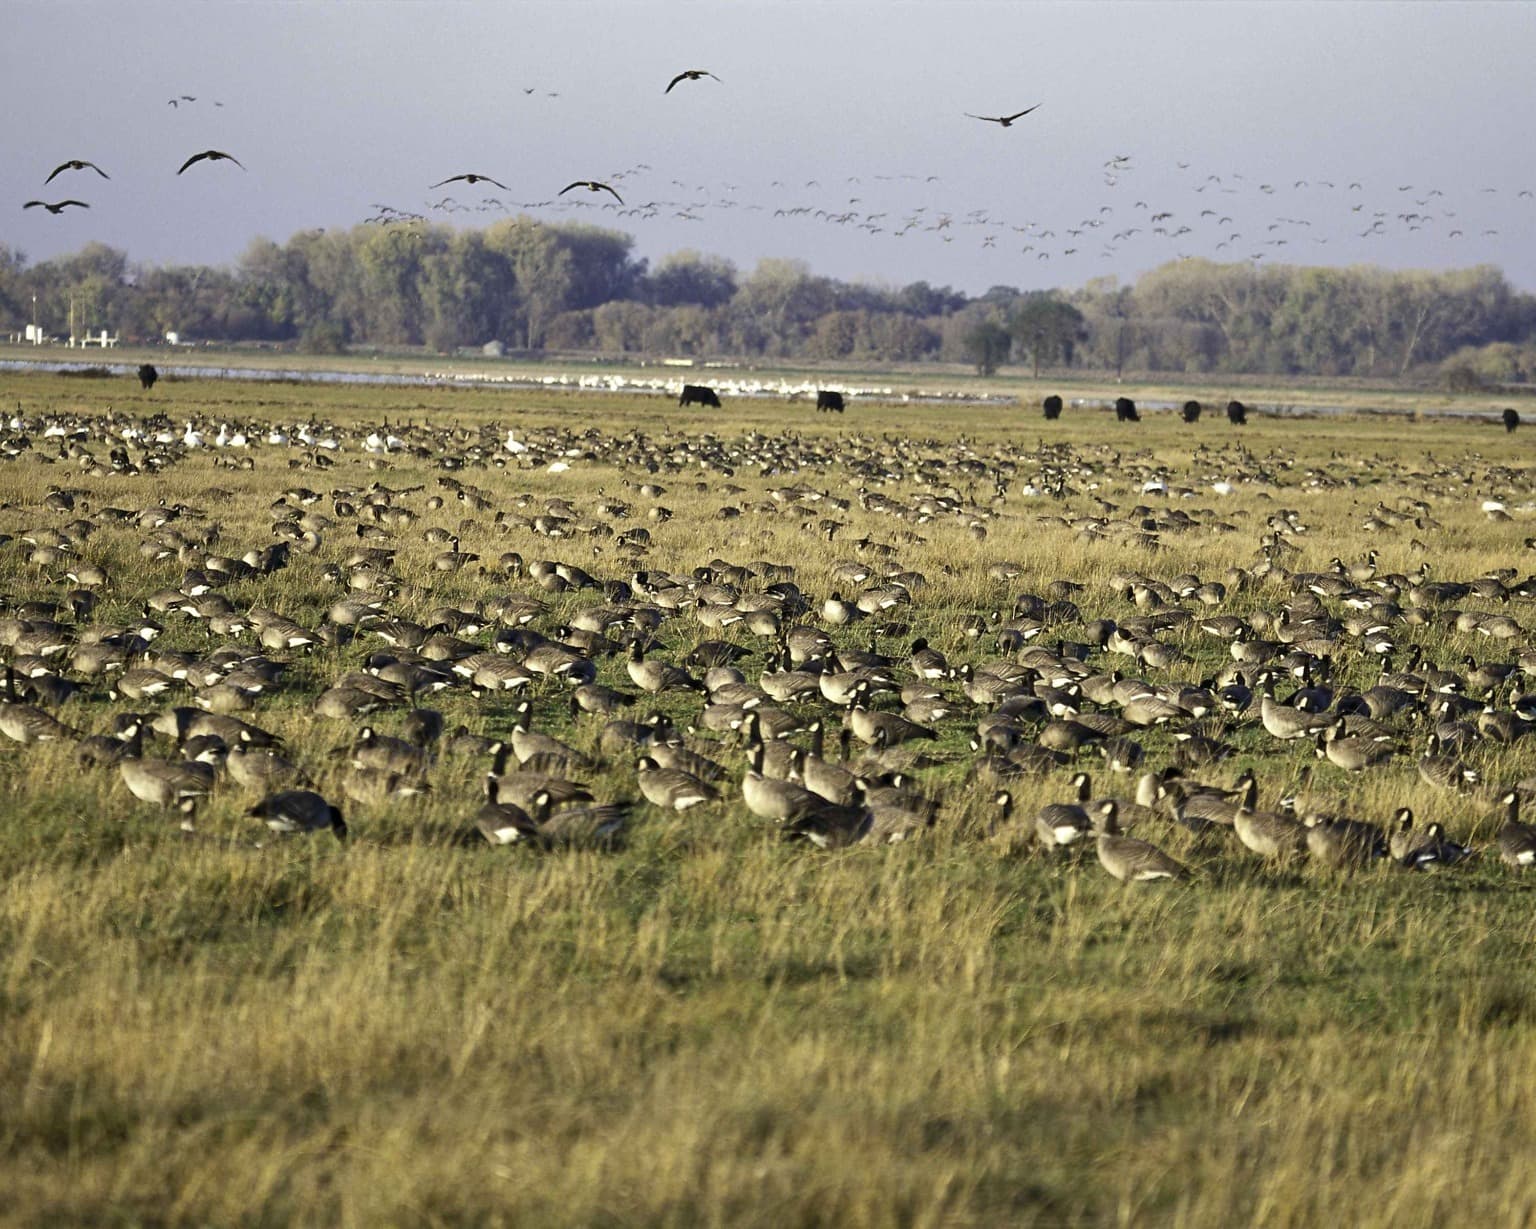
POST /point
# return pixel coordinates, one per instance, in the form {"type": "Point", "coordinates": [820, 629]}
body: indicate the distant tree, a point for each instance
{"type": "Point", "coordinates": [1048, 328]}
{"type": "Point", "coordinates": [686, 277]}
{"type": "Point", "coordinates": [987, 344]}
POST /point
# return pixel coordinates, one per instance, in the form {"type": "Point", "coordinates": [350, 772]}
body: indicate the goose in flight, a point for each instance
{"type": "Point", "coordinates": [591, 185]}
{"type": "Point", "coordinates": [55, 206]}
{"type": "Point", "coordinates": [473, 179]}
{"type": "Point", "coordinates": [689, 74]}
{"type": "Point", "coordinates": [1004, 120]}
{"type": "Point", "coordinates": [212, 155]}
{"type": "Point", "coordinates": [75, 164]}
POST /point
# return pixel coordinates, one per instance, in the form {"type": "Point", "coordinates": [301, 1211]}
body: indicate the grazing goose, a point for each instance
{"type": "Point", "coordinates": [527, 743]}
{"type": "Point", "coordinates": [165, 783]}
{"type": "Point", "coordinates": [262, 768]}
{"type": "Point", "coordinates": [671, 788]}
{"type": "Point", "coordinates": [1270, 834]}
{"type": "Point", "coordinates": [872, 727]}
{"type": "Point", "coordinates": [1517, 841]}
{"type": "Point", "coordinates": [1284, 722]}
{"type": "Point", "coordinates": [1352, 753]}
{"type": "Point", "coordinates": [831, 827]}
{"type": "Point", "coordinates": [299, 810]}
{"type": "Point", "coordinates": [1433, 848]}
{"type": "Point", "coordinates": [375, 750]}
{"type": "Point", "coordinates": [1059, 824]}
{"type": "Point", "coordinates": [1445, 771]}
{"type": "Point", "coordinates": [656, 676]}
{"type": "Point", "coordinates": [505, 823]}
{"type": "Point", "coordinates": [594, 826]}
{"type": "Point", "coordinates": [1344, 844]}
{"type": "Point", "coordinates": [1128, 859]}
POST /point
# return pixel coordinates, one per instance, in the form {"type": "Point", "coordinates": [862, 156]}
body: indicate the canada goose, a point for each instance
{"type": "Point", "coordinates": [374, 750]}
{"type": "Point", "coordinates": [1353, 754]}
{"type": "Point", "coordinates": [1284, 722]}
{"type": "Point", "coordinates": [369, 785]}
{"type": "Point", "coordinates": [831, 827]}
{"type": "Point", "coordinates": [656, 676]}
{"type": "Point", "coordinates": [927, 662]}
{"type": "Point", "coordinates": [55, 207]}
{"type": "Point", "coordinates": [594, 826]}
{"type": "Point", "coordinates": [1517, 841]}
{"type": "Point", "coordinates": [591, 185]}
{"type": "Point", "coordinates": [26, 723]}
{"type": "Point", "coordinates": [470, 179]}
{"type": "Point", "coordinates": [887, 729]}
{"type": "Point", "coordinates": [502, 822]}
{"type": "Point", "coordinates": [774, 798]}
{"type": "Point", "coordinates": [1128, 859]}
{"type": "Point", "coordinates": [1058, 824]}
{"type": "Point", "coordinates": [299, 810]}
{"type": "Point", "coordinates": [262, 768]}
{"type": "Point", "coordinates": [1198, 809]}
{"type": "Point", "coordinates": [1005, 120]}
{"type": "Point", "coordinates": [211, 155]}
{"type": "Point", "coordinates": [671, 788]}
{"type": "Point", "coordinates": [838, 611]}
{"type": "Point", "coordinates": [1444, 771]}
{"type": "Point", "coordinates": [527, 743]}
{"type": "Point", "coordinates": [831, 780]}
{"type": "Point", "coordinates": [74, 164]}
{"type": "Point", "coordinates": [1436, 849]}
{"type": "Point", "coordinates": [1270, 834]}
{"type": "Point", "coordinates": [1344, 844]}
{"type": "Point", "coordinates": [689, 74]}
{"type": "Point", "coordinates": [165, 783]}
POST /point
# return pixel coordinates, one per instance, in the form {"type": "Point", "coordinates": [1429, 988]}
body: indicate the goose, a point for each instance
{"type": "Point", "coordinates": [832, 827]}
{"type": "Point", "coordinates": [1059, 824]}
{"type": "Point", "coordinates": [887, 729]}
{"type": "Point", "coordinates": [527, 743]}
{"type": "Point", "coordinates": [1444, 771]}
{"type": "Point", "coordinates": [375, 750]}
{"type": "Point", "coordinates": [26, 723]}
{"type": "Point", "coordinates": [774, 798]}
{"type": "Point", "coordinates": [1284, 722]}
{"type": "Point", "coordinates": [505, 823]}
{"type": "Point", "coordinates": [293, 811]}
{"type": "Point", "coordinates": [1270, 834]}
{"type": "Point", "coordinates": [831, 780]}
{"type": "Point", "coordinates": [1344, 844]}
{"type": "Point", "coordinates": [1516, 840]}
{"type": "Point", "coordinates": [165, 783]}
{"type": "Point", "coordinates": [1128, 859]}
{"type": "Point", "coordinates": [262, 768]}
{"type": "Point", "coordinates": [594, 826]}
{"type": "Point", "coordinates": [1353, 754]}
{"type": "Point", "coordinates": [671, 788]}
{"type": "Point", "coordinates": [1436, 850]}
{"type": "Point", "coordinates": [655, 676]}
{"type": "Point", "coordinates": [688, 74]}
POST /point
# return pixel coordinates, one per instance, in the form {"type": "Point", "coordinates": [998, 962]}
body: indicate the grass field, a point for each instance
{"type": "Point", "coordinates": [708, 1025]}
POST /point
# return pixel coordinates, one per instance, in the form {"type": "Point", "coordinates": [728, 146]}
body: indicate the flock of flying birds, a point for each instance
{"type": "Point", "coordinates": [1222, 215]}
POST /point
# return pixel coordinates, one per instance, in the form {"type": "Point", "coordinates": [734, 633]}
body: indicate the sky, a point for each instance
{"type": "Point", "coordinates": [833, 132]}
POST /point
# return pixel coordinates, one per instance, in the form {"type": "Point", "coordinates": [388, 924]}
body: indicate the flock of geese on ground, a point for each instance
{"type": "Point", "coordinates": [560, 694]}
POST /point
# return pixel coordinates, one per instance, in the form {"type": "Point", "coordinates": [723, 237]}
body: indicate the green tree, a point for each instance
{"type": "Point", "coordinates": [1048, 329]}
{"type": "Point", "coordinates": [987, 344]}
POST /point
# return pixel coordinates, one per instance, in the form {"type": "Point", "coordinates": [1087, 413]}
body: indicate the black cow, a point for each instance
{"type": "Point", "coordinates": [699, 394]}
{"type": "Point", "coordinates": [1125, 410]}
{"type": "Point", "coordinates": [1052, 405]}
{"type": "Point", "coordinates": [1511, 419]}
{"type": "Point", "coordinates": [1237, 413]}
{"type": "Point", "coordinates": [148, 375]}
{"type": "Point", "coordinates": [1191, 411]}
{"type": "Point", "coordinates": [829, 401]}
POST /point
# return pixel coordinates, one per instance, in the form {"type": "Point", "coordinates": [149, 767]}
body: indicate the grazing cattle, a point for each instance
{"type": "Point", "coordinates": [1052, 407]}
{"type": "Point", "coordinates": [1511, 419]}
{"type": "Point", "coordinates": [1191, 411]}
{"type": "Point", "coordinates": [829, 401]}
{"type": "Point", "coordinates": [148, 375]}
{"type": "Point", "coordinates": [1125, 410]}
{"type": "Point", "coordinates": [699, 394]}
{"type": "Point", "coordinates": [1237, 413]}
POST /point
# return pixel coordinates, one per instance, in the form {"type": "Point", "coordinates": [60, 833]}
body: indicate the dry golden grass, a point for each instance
{"type": "Point", "coordinates": [706, 1026]}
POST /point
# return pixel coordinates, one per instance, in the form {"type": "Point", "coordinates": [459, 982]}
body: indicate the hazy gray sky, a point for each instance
{"type": "Point", "coordinates": [835, 134]}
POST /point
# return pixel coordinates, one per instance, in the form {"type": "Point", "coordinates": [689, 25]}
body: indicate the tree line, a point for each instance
{"type": "Point", "coordinates": [573, 287]}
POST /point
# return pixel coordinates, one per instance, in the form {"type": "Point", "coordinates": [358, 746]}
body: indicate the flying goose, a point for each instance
{"type": "Point", "coordinates": [591, 185]}
{"type": "Point", "coordinates": [1004, 120]}
{"type": "Point", "coordinates": [471, 179]}
{"type": "Point", "coordinates": [74, 164]}
{"type": "Point", "coordinates": [689, 74]}
{"type": "Point", "coordinates": [211, 155]}
{"type": "Point", "coordinates": [55, 207]}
